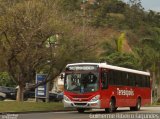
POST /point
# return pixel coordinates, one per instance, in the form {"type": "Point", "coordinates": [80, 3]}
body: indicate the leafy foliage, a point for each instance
{"type": "Point", "coordinates": [113, 54]}
{"type": "Point", "coordinates": [5, 80]}
{"type": "Point", "coordinates": [120, 42]}
{"type": "Point", "coordinates": [26, 28]}
{"type": "Point", "coordinates": [122, 59]}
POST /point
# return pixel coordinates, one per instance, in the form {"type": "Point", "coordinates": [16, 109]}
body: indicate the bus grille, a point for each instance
{"type": "Point", "coordinates": [80, 104]}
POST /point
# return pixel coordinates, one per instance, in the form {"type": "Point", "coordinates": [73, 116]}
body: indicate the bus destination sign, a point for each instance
{"type": "Point", "coordinates": [82, 67]}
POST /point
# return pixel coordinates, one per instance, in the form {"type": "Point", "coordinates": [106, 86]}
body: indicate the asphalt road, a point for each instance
{"type": "Point", "coordinates": [121, 113]}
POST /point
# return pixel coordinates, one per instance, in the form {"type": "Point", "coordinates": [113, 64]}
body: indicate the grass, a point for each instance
{"type": "Point", "coordinates": [153, 104]}
{"type": "Point", "coordinates": [157, 103]}
{"type": "Point", "coordinates": [13, 106]}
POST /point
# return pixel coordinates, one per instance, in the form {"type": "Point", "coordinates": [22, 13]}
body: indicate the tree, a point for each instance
{"type": "Point", "coordinates": [115, 53]}
{"type": "Point", "coordinates": [127, 60]}
{"type": "Point", "coordinates": [25, 28]}
{"type": "Point", "coordinates": [149, 54]}
{"type": "Point", "coordinates": [153, 18]}
{"type": "Point", "coordinates": [27, 34]}
{"type": "Point", "coordinates": [108, 13]}
{"type": "Point", "coordinates": [134, 14]}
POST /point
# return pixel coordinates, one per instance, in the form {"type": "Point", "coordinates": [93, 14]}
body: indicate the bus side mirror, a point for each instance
{"type": "Point", "coordinates": [62, 76]}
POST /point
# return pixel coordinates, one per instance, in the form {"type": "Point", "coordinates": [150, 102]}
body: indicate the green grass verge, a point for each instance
{"type": "Point", "coordinates": [153, 104]}
{"type": "Point", "coordinates": [157, 103]}
{"type": "Point", "coordinates": [13, 106]}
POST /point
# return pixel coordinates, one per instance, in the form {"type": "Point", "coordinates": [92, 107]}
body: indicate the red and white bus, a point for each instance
{"type": "Point", "coordinates": [103, 86]}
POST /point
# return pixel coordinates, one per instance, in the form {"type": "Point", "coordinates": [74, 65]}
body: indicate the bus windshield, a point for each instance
{"type": "Point", "coordinates": [81, 82]}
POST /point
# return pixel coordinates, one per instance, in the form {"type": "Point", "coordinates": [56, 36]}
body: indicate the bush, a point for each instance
{"type": "Point", "coordinates": [158, 100]}
{"type": "Point", "coordinates": [5, 80]}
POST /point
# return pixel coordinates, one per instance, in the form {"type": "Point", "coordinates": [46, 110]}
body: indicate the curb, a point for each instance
{"type": "Point", "coordinates": [29, 112]}
{"type": "Point", "coordinates": [151, 106]}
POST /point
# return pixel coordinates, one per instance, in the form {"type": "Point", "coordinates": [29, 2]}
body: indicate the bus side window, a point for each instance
{"type": "Point", "coordinates": [125, 79]}
{"type": "Point", "coordinates": [111, 78]}
{"type": "Point", "coordinates": [131, 78]}
{"type": "Point", "coordinates": [136, 80]}
{"type": "Point", "coordinates": [104, 80]}
{"type": "Point", "coordinates": [118, 78]}
{"type": "Point", "coordinates": [147, 81]}
{"type": "Point", "coordinates": [140, 80]}
{"type": "Point", "coordinates": [144, 81]}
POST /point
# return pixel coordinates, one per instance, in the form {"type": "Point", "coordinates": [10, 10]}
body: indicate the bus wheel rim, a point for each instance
{"type": "Point", "coordinates": [111, 106]}
{"type": "Point", "coordinates": [138, 105]}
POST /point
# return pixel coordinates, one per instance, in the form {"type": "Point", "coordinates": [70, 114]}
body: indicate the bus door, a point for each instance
{"type": "Point", "coordinates": [104, 87]}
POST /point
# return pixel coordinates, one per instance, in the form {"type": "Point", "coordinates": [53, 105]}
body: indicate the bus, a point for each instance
{"type": "Point", "coordinates": [103, 86]}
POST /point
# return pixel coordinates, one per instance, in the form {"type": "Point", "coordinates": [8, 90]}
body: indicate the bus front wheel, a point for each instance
{"type": "Point", "coordinates": [112, 107]}
{"type": "Point", "coordinates": [80, 110]}
{"type": "Point", "coordinates": [137, 107]}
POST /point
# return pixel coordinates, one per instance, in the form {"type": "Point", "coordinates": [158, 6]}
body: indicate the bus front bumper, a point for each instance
{"type": "Point", "coordinates": [95, 104]}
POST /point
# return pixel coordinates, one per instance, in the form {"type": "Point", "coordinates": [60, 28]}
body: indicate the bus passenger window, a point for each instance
{"type": "Point", "coordinates": [136, 84]}
{"type": "Point", "coordinates": [104, 80]}
{"type": "Point", "coordinates": [111, 77]}
{"type": "Point", "coordinates": [131, 78]}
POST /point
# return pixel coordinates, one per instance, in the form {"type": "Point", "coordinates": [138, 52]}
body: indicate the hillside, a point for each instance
{"type": "Point", "coordinates": [128, 36]}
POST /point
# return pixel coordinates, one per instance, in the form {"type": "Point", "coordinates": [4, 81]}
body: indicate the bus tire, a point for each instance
{"type": "Point", "coordinates": [112, 107]}
{"type": "Point", "coordinates": [1, 98]}
{"type": "Point", "coordinates": [132, 108]}
{"type": "Point", "coordinates": [80, 110]}
{"type": "Point", "coordinates": [137, 107]}
{"type": "Point", "coordinates": [115, 109]}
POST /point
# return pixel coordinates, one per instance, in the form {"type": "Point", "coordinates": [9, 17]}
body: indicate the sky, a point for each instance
{"type": "Point", "coordinates": [150, 5]}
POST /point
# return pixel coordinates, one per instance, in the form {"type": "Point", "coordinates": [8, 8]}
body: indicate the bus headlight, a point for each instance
{"type": "Point", "coordinates": [66, 98]}
{"type": "Point", "coordinates": [95, 98]}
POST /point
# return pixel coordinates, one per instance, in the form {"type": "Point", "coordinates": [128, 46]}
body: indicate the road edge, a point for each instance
{"type": "Point", "coordinates": [28, 112]}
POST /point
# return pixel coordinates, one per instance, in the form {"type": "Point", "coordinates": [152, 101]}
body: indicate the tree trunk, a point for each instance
{"type": "Point", "coordinates": [154, 86]}
{"type": "Point", "coordinates": [20, 92]}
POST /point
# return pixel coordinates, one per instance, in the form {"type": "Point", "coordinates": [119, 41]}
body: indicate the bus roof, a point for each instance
{"type": "Point", "coordinates": [105, 65]}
